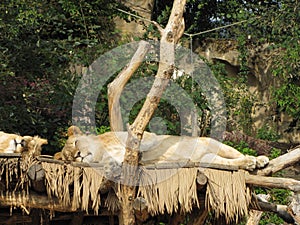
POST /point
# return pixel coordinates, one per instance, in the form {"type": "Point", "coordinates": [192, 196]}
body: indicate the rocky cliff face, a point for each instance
{"type": "Point", "coordinates": [135, 28]}
{"type": "Point", "coordinates": [260, 83]}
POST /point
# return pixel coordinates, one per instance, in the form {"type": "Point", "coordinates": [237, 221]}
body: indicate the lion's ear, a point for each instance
{"type": "Point", "coordinates": [74, 130]}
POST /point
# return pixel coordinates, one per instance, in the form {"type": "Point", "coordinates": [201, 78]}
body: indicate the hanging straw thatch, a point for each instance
{"type": "Point", "coordinates": [164, 190]}
{"type": "Point", "coordinates": [12, 174]}
{"type": "Point", "coordinates": [227, 194]}
{"type": "Point", "coordinates": [86, 184]}
{"type": "Point", "coordinates": [169, 189]}
{"type": "Point", "coordinates": [176, 189]}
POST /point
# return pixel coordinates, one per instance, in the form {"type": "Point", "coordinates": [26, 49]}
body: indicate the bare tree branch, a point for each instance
{"type": "Point", "coordinates": [116, 87]}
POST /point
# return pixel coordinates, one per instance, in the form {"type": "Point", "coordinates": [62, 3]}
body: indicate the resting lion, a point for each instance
{"type": "Point", "coordinates": [14, 143]}
{"type": "Point", "coordinates": [155, 148]}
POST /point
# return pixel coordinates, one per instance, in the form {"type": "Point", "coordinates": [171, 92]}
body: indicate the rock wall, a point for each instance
{"type": "Point", "coordinates": [135, 28]}
{"type": "Point", "coordinates": [260, 83]}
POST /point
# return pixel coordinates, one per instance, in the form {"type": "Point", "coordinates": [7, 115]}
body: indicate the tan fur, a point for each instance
{"type": "Point", "coordinates": [156, 148]}
{"type": "Point", "coordinates": [13, 143]}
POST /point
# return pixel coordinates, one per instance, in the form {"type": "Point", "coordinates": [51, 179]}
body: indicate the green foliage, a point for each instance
{"type": "Point", "coordinates": [275, 153]}
{"type": "Point", "coordinates": [278, 196]}
{"type": "Point", "coordinates": [102, 129]}
{"type": "Point", "coordinates": [242, 147]}
{"type": "Point", "coordinates": [267, 133]}
{"type": "Point", "coordinates": [270, 218]}
{"type": "Point", "coordinates": [287, 98]}
{"type": "Point", "coordinates": [40, 41]}
{"type": "Point", "coordinates": [239, 101]}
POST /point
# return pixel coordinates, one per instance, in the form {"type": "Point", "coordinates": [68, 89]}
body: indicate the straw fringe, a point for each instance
{"type": "Point", "coordinates": [227, 194]}
{"type": "Point", "coordinates": [165, 190]}
{"type": "Point", "coordinates": [112, 202]}
{"type": "Point", "coordinates": [92, 181]}
{"type": "Point", "coordinates": [169, 190]}
{"type": "Point", "coordinates": [87, 183]}
{"type": "Point", "coordinates": [76, 201]}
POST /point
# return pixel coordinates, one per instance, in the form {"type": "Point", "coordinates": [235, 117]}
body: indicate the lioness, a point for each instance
{"type": "Point", "coordinates": [156, 148]}
{"type": "Point", "coordinates": [14, 143]}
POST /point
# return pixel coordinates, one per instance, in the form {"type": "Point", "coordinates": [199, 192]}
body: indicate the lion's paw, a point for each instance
{"type": "Point", "coordinates": [249, 163]}
{"type": "Point", "coordinates": [261, 161]}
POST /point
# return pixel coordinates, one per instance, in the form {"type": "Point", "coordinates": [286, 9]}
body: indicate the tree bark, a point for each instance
{"type": "Point", "coordinates": [261, 146]}
{"type": "Point", "coordinates": [255, 215]}
{"type": "Point", "coordinates": [281, 210]}
{"type": "Point", "coordinates": [116, 87]}
{"type": "Point", "coordinates": [273, 182]}
{"type": "Point", "coordinates": [281, 162]}
{"type": "Point", "coordinates": [169, 38]}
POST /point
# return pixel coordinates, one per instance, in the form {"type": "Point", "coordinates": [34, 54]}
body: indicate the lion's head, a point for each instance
{"type": "Point", "coordinates": [69, 150]}
{"type": "Point", "coordinates": [80, 147]}
{"type": "Point", "coordinates": [14, 143]}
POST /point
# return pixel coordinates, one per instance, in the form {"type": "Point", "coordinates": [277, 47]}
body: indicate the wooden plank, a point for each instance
{"type": "Point", "coordinates": [10, 155]}
{"type": "Point", "coordinates": [153, 166]}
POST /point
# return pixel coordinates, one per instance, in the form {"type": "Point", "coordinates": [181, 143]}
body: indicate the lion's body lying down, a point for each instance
{"type": "Point", "coordinates": [157, 148]}
{"type": "Point", "coordinates": [14, 143]}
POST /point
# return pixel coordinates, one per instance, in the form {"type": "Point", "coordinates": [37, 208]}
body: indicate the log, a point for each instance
{"type": "Point", "coordinates": [281, 162]}
{"type": "Point", "coordinates": [36, 174]}
{"type": "Point", "coordinates": [16, 219]}
{"type": "Point", "coordinates": [201, 180]}
{"type": "Point", "coordinates": [141, 209]}
{"type": "Point", "coordinates": [255, 215]}
{"type": "Point", "coordinates": [273, 182]}
{"type": "Point", "coordinates": [294, 208]}
{"type": "Point", "coordinates": [10, 155]}
{"type": "Point", "coordinates": [280, 210]}
{"type": "Point", "coordinates": [33, 200]}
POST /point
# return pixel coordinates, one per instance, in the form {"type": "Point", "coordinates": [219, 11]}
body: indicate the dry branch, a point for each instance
{"type": "Point", "coordinates": [255, 215]}
{"type": "Point", "coordinates": [280, 210]}
{"type": "Point", "coordinates": [116, 87]}
{"type": "Point", "coordinates": [281, 162]}
{"type": "Point", "coordinates": [273, 182]}
{"type": "Point", "coordinates": [261, 146]}
{"type": "Point", "coordinates": [33, 201]}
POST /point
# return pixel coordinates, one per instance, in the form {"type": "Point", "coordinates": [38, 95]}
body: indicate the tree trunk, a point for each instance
{"type": "Point", "coordinates": [169, 38]}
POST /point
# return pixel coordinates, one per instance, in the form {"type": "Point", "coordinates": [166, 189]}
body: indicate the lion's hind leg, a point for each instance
{"type": "Point", "coordinates": [221, 149]}
{"type": "Point", "coordinates": [244, 162]}
{"type": "Point", "coordinates": [261, 161]}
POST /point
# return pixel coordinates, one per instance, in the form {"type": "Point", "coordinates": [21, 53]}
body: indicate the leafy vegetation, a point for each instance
{"type": "Point", "coordinates": [42, 42]}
